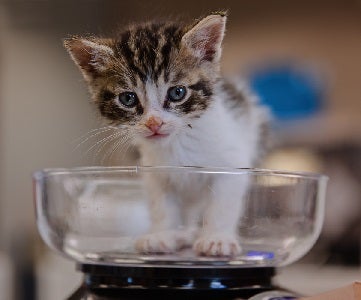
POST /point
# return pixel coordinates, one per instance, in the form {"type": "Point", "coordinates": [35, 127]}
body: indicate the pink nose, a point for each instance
{"type": "Point", "coordinates": [154, 123]}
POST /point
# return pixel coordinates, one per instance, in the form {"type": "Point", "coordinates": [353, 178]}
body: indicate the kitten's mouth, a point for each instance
{"type": "Point", "coordinates": [157, 135]}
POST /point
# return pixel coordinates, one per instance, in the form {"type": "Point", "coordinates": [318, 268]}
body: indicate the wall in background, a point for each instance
{"type": "Point", "coordinates": [44, 103]}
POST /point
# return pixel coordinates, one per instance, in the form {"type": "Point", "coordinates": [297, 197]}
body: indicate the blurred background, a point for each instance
{"type": "Point", "coordinates": [303, 58]}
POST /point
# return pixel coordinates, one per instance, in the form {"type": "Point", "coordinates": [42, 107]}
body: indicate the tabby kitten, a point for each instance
{"type": "Point", "coordinates": [161, 85]}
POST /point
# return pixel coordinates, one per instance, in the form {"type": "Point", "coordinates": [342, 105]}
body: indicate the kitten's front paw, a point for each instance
{"type": "Point", "coordinates": [217, 245]}
{"type": "Point", "coordinates": [160, 242]}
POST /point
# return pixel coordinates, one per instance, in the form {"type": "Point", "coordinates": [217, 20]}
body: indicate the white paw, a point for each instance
{"type": "Point", "coordinates": [217, 244]}
{"type": "Point", "coordinates": [162, 242]}
{"type": "Point", "coordinates": [156, 243]}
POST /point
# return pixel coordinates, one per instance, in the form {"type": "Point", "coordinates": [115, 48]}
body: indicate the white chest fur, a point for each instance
{"type": "Point", "coordinates": [217, 139]}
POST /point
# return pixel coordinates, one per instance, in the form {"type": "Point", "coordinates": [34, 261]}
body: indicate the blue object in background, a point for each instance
{"type": "Point", "coordinates": [291, 92]}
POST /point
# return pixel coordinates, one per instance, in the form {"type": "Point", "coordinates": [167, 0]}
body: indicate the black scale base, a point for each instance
{"type": "Point", "coordinates": [103, 282]}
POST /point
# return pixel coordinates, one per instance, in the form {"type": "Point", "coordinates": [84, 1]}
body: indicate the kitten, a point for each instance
{"type": "Point", "coordinates": [161, 85]}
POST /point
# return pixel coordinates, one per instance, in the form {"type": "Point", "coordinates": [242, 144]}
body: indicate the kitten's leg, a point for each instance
{"type": "Point", "coordinates": [164, 239]}
{"type": "Point", "coordinates": [165, 219]}
{"type": "Point", "coordinates": [219, 235]}
{"type": "Point", "coordinates": [191, 212]}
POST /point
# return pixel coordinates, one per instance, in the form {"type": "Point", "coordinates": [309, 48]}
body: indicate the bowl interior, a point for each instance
{"type": "Point", "coordinates": [95, 215]}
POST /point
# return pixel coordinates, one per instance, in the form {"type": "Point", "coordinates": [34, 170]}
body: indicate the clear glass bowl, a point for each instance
{"type": "Point", "coordinates": [94, 215]}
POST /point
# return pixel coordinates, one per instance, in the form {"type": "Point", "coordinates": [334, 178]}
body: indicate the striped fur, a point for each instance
{"type": "Point", "coordinates": [152, 52]}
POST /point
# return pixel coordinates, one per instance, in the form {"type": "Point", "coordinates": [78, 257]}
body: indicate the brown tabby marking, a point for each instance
{"type": "Point", "coordinates": [152, 52]}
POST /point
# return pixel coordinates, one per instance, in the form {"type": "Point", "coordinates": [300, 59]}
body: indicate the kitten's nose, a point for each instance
{"type": "Point", "coordinates": [154, 123]}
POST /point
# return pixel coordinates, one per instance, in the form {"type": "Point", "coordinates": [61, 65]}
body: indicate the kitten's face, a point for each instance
{"type": "Point", "coordinates": [153, 80]}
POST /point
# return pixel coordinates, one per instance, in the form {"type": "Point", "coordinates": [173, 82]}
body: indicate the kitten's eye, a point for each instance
{"type": "Point", "coordinates": [177, 93]}
{"type": "Point", "coordinates": [128, 99]}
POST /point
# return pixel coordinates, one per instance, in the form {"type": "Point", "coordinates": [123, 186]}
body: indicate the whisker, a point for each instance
{"type": "Point", "coordinates": [125, 151]}
{"type": "Point", "coordinates": [113, 141]}
{"type": "Point", "coordinates": [87, 138]}
{"type": "Point", "coordinates": [109, 151]}
{"type": "Point", "coordinates": [118, 134]}
{"type": "Point", "coordinates": [121, 143]}
{"type": "Point", "coordinates": [110, 137]}
{"type": "Point", "coordinates": [106, 154]}
{"type": "Point", "coordinates": [93, 130]}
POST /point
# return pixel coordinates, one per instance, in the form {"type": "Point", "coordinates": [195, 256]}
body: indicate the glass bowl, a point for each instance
{"type": "Point", "coordinates": [95, 215]}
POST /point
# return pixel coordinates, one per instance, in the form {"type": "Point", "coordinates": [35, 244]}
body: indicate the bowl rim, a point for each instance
{"type": "Point", "coordinates": [106, 170]}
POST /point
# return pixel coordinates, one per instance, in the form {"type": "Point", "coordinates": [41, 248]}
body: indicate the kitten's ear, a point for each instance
{"type": "Point", "coordinates": [91, 56]}
{"type": "Point", "coordinates": [204, 39]}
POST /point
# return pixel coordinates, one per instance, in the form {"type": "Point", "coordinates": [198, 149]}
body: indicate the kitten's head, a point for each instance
{"type": "Point", "coordinates": [153, 79]}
